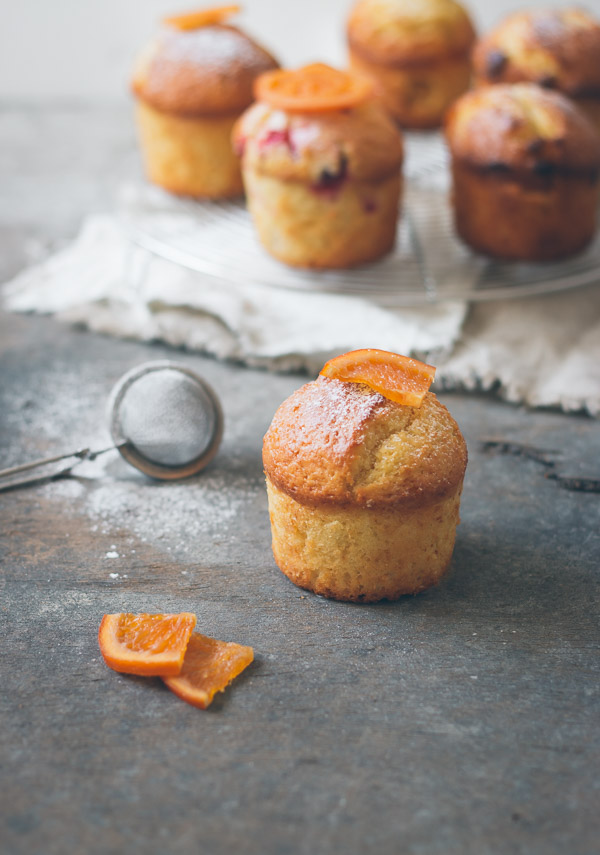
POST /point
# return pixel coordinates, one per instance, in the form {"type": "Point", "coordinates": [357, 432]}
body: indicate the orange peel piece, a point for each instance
{"type": "Point", "coordinates": [396, 377]}
{"type": "Point", "coordinates": [314, 88]}
{"type": "Point", "coordinates": [144, 644]}
{"type": "Point", "coordinates": [201, 18]}
{"type": "Point", "coordinates": [209, 667]}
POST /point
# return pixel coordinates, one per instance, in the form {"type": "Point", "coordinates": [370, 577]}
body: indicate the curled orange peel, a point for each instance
{"type": "Point", "coordinates": [149, 645]}
{"type": "Point", "coordinates": [396, 377]}
{"type": "Point", "coordinates": [209, 666]}
{"type": "Point", "coordinates": [201, 18]}
{"type": "Point", "coordinates": [312, 89]}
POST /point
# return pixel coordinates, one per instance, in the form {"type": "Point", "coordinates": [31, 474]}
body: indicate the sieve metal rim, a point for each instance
{"type": "Point", "coordinates": [126, 448]}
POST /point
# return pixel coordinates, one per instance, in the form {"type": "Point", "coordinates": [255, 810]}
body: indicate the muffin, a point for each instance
{"type": "Point", "coordinates": [321, 165]}
{"type": "Point", "coordinates": [363, 491]}
{"type": "Point", "coordinates": [525, 166]}
{"type": "Point", "coordinates": [416, 54]}
{"type": "Point", "coordinates": [191, 84]}
{"type": "Point", "coordinates": [555, 48]}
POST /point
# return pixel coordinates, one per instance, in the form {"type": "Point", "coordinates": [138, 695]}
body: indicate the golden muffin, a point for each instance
{"type": "Point", "coordinates": [363, 491]}
{"type": "Point", "coordinates": [416, 53]}
{"type": "Point", "coordinates": [192, 83]}
{"type": "Point", "coordinates": [555, 48]}
{"type": "Point", "coordinates": [323, 183]}
{"type": "Point", "coordinates": [525, 167]}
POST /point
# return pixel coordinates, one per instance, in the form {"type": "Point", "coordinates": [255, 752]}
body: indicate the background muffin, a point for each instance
{"type": "Point", "coordinates": [323, 183]}
{"type": "Point", "coordinates": [525, 166]}
{"type": "Point", "coordinates": [363, 492]}
{"type": "Point", "coordinates": [555, 48]}
{"type": "Point", "coordinates": [416, 54]}
{"type": "Point", "coordinates": [192, 83]}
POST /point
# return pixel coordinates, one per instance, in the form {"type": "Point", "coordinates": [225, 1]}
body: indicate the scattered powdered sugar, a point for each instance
{"type": "Point", "coordinates": [112, 555]}
{"type": "Point", "coordinates": [176, 512]}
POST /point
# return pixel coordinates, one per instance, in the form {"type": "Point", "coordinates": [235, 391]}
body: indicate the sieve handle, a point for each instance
{"type": "Point", "coordinates": [81, 455]}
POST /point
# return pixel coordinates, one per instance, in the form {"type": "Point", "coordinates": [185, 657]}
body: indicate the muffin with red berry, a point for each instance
{"type": "Point", "coordinates": [321, 164]}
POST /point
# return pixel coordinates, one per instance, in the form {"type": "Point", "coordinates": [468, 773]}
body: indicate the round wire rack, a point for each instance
{"type": "Point", "coordinates": [428, 265]}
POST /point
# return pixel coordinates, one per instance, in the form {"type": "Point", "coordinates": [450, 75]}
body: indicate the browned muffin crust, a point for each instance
{"type": "Point", "coordinates": [205, 72]}
{"type": "Point", "coordinates": [555, 48]}
{"type": "Point", "coordinates": [403, 33]}
{"type": "Point", "coordinates": [334, 443]}
{"type": "Point", "coordinates": [362, 143]}
{"type": "Point", "coordinates": [524, 129]}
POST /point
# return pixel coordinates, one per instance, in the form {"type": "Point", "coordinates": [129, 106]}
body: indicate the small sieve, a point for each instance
{"type": "Point", "coordinates": [164, 419]}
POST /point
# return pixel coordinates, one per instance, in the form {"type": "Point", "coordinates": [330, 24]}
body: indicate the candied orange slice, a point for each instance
{"type": "Point", "coordinates": [313, 89]}
{"type": "Point", "coordinates": [201, 18]}
{"type": "Point", "coordinates": [147, 645]}
{"type": "Point", "coordinates": [209, 666]}
{"type": "Point", "coordinates": [398, 378]}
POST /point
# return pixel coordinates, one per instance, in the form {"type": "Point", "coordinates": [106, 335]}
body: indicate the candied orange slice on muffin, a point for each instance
{"type": "Point", "coordinates": [201, 18]}
{"type": "Point", "coordinates": [314, 88]}
{"type": "Point", "coordinates": [209, 667]}
{"type": "Point", "coordinates": [396, 377]}
{"type": "Point", "coordinates": [144, 644]}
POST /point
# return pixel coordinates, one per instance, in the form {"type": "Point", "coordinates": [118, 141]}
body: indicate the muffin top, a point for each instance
{"type": "Point", "coordinates": [321, 148]}
{"type": "Point", "coordinates": [557, 48]}
{"type": "Point", "coordinates": [407, 32]}
{"type": "Point", "coordinates": [522, 127]}
{"type": "Point", "coordinates": [339, 443]}
{"type": "Point", "coordinates": [200, 72]}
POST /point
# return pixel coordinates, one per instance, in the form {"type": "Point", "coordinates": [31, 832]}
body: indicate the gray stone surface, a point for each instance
{"type": "Point", "coordinates": [464, 720]}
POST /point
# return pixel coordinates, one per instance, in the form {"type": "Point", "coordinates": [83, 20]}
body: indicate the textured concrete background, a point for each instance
{"type": "Point", "coordinates": [461, 721]}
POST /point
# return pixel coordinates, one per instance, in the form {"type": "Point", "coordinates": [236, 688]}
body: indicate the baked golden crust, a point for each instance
{"type": "Point", "coordinates": [362, 554]}
{"type": "Point", "coordinates": [189, 156]}
{"type": "Point", "coordinates": [409, 32]}
{"type": "Point", "coordinates": [209, 71]}
{"type": "Point", "coordinates": [523, 128]}
{"type": "Point", "coordinates": [334, 227]}
{"type": "Point", "coordinates": [531, 218]}
{"type": "Point", "coordinates": [341, 444]}
{"type": "Point", "coordinates": [417, 96]}
{"type": "Point", "coordinates": [556, 48]}
{"type": "Point", "coordinates": [318, 148]}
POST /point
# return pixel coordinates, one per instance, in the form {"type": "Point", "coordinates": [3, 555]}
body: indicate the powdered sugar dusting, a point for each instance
{"type": "Point", "coordinates": [214, 48]}
{"type": "Point", "coordinates": [176, 513]}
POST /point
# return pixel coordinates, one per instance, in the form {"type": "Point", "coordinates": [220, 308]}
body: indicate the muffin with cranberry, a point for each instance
{"type": "Point", "coordinates": [364, 489]}
{"type": "Point", "coordinates": [191, 84]}
{"type": "Point", "coordinates": [417, 55]}
{"type": "Point", "coordinates": [525, 167]}
{"type": "Point", "coordinates": [321, 165]}
{"type": "Point", "coordinates": [555, 48]}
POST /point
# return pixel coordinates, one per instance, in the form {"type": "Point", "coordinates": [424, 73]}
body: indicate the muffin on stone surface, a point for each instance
{"type": "Point", "coordinates": [321, 165]}
{"type": "Point", "coordinates": [555, 48]}
{"type": "Point", "coordinates": [416, 53]}
{"type": "Point", "coordinates": [525, 169]}
{"type": "Point", "coordinates": [191, 84]}
{"type": "Point", "coordinates": [364, 491]}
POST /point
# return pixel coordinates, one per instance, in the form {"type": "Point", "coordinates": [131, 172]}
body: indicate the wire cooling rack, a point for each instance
{"type": "Point", "coordinates": [428, 265]}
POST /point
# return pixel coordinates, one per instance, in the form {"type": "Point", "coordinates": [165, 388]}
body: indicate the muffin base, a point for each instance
{"type": "Point", "coordinates": [360, 554]}
{"type": "Point", "coordinates": [189, 156]}
{"type": "Point", "coordinates": [418, 95]}
{"type": "Point", "coordinates": [308, 226]}
{"type": "Point", "coordinates": [533, 219]}
{"type": "Point", "coordinates": [591, 107]}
